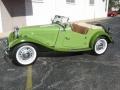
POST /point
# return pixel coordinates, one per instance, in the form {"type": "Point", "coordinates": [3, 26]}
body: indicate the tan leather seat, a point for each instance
{"type": "Point", "coordinates": [79, 28]}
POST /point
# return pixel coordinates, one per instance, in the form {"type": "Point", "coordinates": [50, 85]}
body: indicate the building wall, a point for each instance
{"type": "Point", "coordinates": [6, 19]}
{"type": "Point", "coordinates": [42, 12]}
{"type": "Point", "coordinates": [13, 13]}
{"type": "Point", "coordinates": [35, 12]}
{"type": "Point", "coordinates": [101, 8]}
{"type": "Point", "coordinates": [81, 10]}
{"type": "Point", "coordinates": [0, 21]}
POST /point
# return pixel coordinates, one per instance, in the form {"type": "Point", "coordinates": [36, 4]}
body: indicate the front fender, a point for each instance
{"type": "Point", "coordinates": [100, 34]}
{"type": "Point", "coordinates": [17, 41]}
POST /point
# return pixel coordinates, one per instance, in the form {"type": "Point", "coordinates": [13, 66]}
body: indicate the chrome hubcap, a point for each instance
{"type": "Point", "coordinates": [101, 46]}
{"type": "Point", "coordinates": [25, 53]}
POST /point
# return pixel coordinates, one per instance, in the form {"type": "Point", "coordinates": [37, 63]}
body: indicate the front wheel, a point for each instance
{"type": "Point", "coordinates": [25, 54]}
{"type": "Point", "coordinates": [100, 46]}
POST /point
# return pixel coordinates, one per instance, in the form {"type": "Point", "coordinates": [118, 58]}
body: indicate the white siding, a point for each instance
{"type": "Point", "coordinates": [0, 20]}
{"type": "Point", "coordinates": [80, 10]}
{"type": "Point", "coordinates": [42, 12]}
{"type": "Point", "coordinates": [100, 8]}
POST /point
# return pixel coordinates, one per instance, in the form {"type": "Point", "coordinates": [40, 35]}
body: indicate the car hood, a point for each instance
{"type": "Point", "coordinates": [38, 28]}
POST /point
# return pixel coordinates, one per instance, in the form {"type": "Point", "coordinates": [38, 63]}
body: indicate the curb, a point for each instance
{"type": "Point", "coordinates": [4, 34]}
{"type": "Point", "coordinates": [1, 34]}
{"type": "Point", "coordinates": [97, 19]}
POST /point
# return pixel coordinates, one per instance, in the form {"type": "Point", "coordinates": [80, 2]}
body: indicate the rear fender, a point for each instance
{"type": "Point", "coordinates": [97, 35]}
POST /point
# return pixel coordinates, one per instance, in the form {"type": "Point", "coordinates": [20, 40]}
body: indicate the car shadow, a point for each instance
{"type": "Point", "coordinates": [61, 54]}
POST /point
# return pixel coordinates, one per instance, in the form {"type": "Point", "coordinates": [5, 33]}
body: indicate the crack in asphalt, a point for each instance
{"type": "Point", "coordinates": [55, 84]}
{"type": "Point", "coordinates": [44, 78]}
{"type": "Point", "coordinates": [7, 78]}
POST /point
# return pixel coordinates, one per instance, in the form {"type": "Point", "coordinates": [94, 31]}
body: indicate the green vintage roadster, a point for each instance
{"type": "Point", "coordinates": [61, 35]}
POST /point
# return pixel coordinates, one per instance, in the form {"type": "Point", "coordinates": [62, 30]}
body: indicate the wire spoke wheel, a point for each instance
{"type": "Point", "coordinates": [25, 54]}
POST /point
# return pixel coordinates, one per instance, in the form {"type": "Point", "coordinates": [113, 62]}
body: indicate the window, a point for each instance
{"type": "Point", "coordinates": [70, 1]}
{"type": "Point", "coordinates": [37, 1]}
{"type": "Point", "coordinates": [92, 2]}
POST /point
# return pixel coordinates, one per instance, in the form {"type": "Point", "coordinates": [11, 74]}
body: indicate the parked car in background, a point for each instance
{"type": "Point", "coordinates": [112, 13]}
{"type": "Point", "coordinates": [24, 43]}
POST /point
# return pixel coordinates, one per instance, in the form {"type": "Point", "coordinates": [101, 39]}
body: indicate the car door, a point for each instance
{"type": "Point", "coordinates": [74, 40]}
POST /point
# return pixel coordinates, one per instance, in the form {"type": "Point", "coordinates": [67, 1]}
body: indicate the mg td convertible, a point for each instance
{"type": "Point", "coordinates": [24, 43]}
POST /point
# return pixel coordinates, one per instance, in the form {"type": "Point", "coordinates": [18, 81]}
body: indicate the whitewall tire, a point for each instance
{"type": "Point", "coordinates": [100, 46]}
{"type": "Point", "coordinates": [25, 54]}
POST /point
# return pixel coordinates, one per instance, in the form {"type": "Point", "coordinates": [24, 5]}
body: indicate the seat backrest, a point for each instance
{"type": "Point", "coordinates": [79, 28]}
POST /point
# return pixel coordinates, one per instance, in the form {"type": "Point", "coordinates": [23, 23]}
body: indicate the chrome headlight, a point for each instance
{"type": "Point", "coordinates": [16, 32]}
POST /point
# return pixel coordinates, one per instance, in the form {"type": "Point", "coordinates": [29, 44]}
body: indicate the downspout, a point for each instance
{"type": "Point", "coordinates": [106, 5]}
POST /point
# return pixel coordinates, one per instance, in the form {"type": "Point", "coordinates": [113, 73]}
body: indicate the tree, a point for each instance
{"type": "Point", "coordinates": [114, 4]}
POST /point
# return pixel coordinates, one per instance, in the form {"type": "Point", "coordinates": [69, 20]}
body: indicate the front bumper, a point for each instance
{"type": "Point", "coordinates": [7, 52]}
{"type": "Point", "coordinates": [7, 49]}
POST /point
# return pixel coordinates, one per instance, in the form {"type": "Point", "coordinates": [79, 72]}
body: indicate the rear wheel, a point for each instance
{"type": "Point", "coordinates": [100, 46]}
{"type": "Point", "coordinates": [25, 54]}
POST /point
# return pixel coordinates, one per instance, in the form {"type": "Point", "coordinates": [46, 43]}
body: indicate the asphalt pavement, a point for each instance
{"type": "Point", "coordinates": [72, 71]}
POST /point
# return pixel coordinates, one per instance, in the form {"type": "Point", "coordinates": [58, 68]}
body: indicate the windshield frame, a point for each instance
{"type": "Point", "coordinates": [60, 20]}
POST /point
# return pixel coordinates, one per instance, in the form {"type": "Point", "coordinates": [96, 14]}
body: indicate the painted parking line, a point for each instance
{"type": "Point", "coordinates": [29, 78]}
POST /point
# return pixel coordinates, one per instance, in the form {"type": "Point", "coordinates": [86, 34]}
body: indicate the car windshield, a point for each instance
{"type": "Point", "coordinates": [61, 20]}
